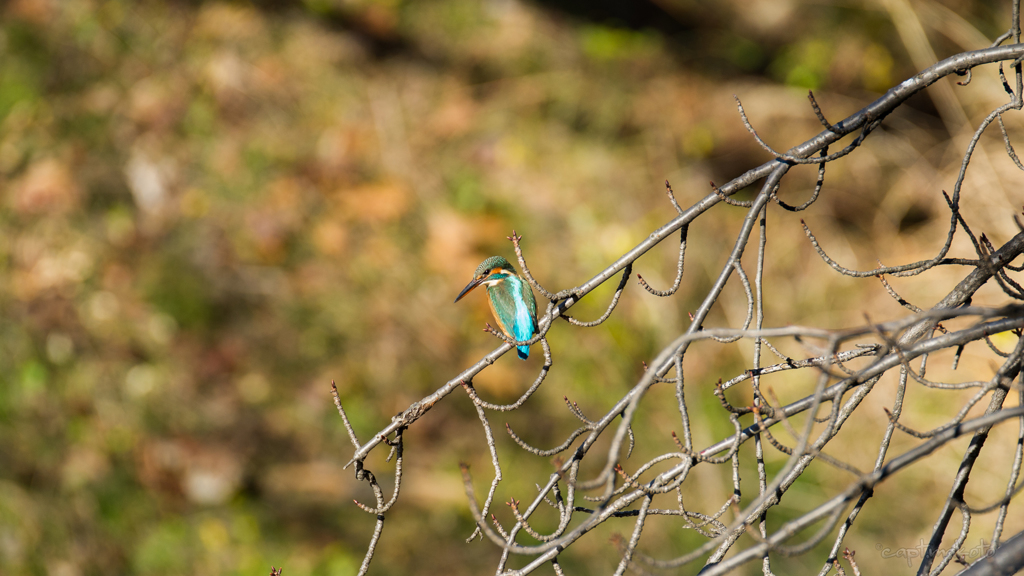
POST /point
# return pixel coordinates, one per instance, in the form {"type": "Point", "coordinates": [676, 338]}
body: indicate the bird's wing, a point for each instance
{"type": "Point", "coordinates": [514, 308]}
{"type": "Point", "coordinates": [526, 309]}
{"type": "Point", "coordinates": [503, 308]}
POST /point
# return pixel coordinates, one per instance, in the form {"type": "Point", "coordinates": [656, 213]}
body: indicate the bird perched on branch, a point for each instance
{"type": "Point", "coordinates": [510, 297]}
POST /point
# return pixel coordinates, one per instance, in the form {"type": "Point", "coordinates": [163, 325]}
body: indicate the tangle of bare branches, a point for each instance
{"type": "Point", "coordinates": [845, 365]}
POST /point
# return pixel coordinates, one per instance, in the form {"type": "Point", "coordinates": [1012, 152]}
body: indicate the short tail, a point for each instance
{"type": "Point", "coordinates": [524, 352]}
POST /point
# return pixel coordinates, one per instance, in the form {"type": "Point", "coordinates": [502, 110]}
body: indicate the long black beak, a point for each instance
{"type": "Point", "coordinates": [469, 288]}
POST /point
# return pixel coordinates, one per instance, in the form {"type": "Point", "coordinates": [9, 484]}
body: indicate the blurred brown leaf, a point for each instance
{"type": "Point", "coordinates": [46, 187]}
{"type": "Point", "coordinates": [374, 203]}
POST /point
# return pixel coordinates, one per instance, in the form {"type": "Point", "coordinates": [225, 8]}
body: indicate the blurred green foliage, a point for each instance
{"type": "Point", "coordinates": [212, 209]}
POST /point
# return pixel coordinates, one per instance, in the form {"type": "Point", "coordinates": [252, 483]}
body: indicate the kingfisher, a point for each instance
{"type": "Point", "coordinates": [510, 297]}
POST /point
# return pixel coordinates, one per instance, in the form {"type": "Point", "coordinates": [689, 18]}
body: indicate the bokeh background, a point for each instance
{"type": "Point", "coordinates": [211, 210]}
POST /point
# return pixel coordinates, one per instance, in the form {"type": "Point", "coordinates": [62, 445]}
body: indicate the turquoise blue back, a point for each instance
{"type": "Point", "coordinates": [515, 309]}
